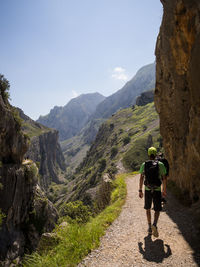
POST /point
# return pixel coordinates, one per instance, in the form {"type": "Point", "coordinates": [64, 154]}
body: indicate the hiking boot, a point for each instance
{"type": "Point", "coordinates": [154, 231]}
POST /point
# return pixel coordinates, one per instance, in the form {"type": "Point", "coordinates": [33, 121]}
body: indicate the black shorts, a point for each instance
{"type": "Point", "coordinates": [154, 197]}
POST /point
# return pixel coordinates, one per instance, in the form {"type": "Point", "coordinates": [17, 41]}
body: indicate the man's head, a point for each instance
{"type": "Point", "coordinates": [152, 152]}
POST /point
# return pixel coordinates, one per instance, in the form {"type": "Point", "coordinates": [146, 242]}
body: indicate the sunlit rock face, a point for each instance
{"type": "Point", "coordinates": [177, 94]}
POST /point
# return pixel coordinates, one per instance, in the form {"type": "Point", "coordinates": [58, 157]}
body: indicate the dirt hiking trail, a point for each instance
{"type": "Point", "coordinates": [127, 243]}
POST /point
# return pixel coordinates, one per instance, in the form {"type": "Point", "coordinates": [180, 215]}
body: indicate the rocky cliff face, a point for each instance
{"type": "Point", "coordinates": [145, 98]}
{"type": "Point", "coordinates": [45, 150]}
{"type": "Point", "coordinates": [13, 144]}
{"type": "Point", "coordinates": [177, 94]}
{"type": "Point", "coordinates": [27, 212]}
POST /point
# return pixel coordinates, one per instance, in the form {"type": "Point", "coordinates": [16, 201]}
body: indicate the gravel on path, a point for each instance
{"type": "Point", "coordinates": [127, 243]}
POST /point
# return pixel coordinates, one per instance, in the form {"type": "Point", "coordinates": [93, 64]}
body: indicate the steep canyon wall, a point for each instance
{"type": "Point", "coordinates": [177, 93]}
{"type": "Point", "coordinates": [27, 211]}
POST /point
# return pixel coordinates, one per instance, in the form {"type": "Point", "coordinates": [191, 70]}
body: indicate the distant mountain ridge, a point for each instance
{"type": "Point", "coordinates": [70, 119]}
{"type": "Point", "coordinates": [74, 116]}
{"type": "Point", "coordinates": [144, 80]}
{"type": "Point", "coordinates": [75, 149]}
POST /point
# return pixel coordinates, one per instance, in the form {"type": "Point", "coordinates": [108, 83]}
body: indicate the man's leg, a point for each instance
{"type": "Point", "coordinates": [148, 212]}
{"type": "Point", "coordinates": [147, 206]}
{"type": "Point", "coordinates": [156, 216]}
{"type": "Point", "coordinates": [157, 208]}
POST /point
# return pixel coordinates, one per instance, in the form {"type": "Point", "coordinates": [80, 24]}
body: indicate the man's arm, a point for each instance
{"type": "Point", "coordinates": [141, 185]}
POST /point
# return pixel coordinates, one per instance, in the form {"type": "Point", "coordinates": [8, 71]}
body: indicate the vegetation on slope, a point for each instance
{"type": "Point", "coordinates": [124, 138]}
{"type": "Point", "coordinates": [75, 148]}
{"type": "Point", "coordinates": [75, 241]}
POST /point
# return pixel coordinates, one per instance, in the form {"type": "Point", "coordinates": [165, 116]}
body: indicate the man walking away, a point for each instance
{"type": "Point", "coordinates": [152, 174]}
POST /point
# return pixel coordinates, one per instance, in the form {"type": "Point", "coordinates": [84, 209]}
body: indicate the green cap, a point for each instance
{"type": "Point", "coordinates": [152, 150]}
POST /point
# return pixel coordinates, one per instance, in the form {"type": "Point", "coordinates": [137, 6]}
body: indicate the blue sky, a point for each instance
{"type": "Point", "coordinates": [54, 50]}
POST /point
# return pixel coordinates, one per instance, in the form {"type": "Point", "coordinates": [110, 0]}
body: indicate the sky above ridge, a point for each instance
{"type": "Point", "coordinates": [54, 50]}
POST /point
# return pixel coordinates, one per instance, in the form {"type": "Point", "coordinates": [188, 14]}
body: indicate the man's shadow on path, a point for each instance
{"type": "Point", "coordinates": [154, 250]}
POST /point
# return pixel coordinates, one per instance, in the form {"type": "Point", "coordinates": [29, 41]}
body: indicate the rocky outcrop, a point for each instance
{"type": "Point", "coordinates": [45, 150]}
{"type": "Point", "coordinates": [27, 212]}
{"type": "Point", "coordinates": [145, 98]}
{"type": "Point", "coordinates": [177, 94]}
{"type": "Point", "coordinates": [13, 144]}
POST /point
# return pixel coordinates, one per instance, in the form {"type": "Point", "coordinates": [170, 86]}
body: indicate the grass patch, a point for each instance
{"type": "Point", "coordinates": [76, 240]}
{"type": "Point", "coordinates": [32, 130]}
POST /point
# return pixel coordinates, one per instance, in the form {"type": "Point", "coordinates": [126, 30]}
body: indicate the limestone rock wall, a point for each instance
{"type": "Point", "coordinates": [27, 213]}
{"type": "Point", "coordinates": [13, 144]}
{"type": "Point", "coordinates": [177, 94]}
{"type": "Point", "coordinates": [46, 150]}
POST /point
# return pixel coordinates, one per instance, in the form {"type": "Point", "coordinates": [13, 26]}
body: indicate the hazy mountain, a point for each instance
{"type": "Point", "coordinates": [75, 149]}
{"type": "Point", "coordinates": [71, 118]}
{"type": "Point", "coordinates": [144, 80]}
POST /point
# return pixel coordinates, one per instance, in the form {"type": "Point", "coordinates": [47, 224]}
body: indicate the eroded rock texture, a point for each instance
{"type": "Point", "coordinates": [13, 144]}
{"type": "Point", "coordinates": [27, 212]}
{"type": "Point", "coordinates": [177, 94]}
{"type": "Point", "coordinates": [46, 150]}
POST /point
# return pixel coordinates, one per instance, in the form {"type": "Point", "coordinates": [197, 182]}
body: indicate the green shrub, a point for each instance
{"type": "Point", "coordinates": [112, 126]}
{"type": "Point", "coordinates": [114, 151]}
{"type": "Point", "coordinates": [102, 165]}
{"type": "Point", "coordinates": [126, 140]}
{"type": "Point", "coordinates": [37, 164]}
{"type": "Point", "coordinates": [144, 128]}
{"type": "Point", "coordinates": [31, 171]}
{"type": "Point", "coordinates": [78, 240]}
{"type": "Point", "coordinates": [112, 170]}
{"type": "Point", "coordinates": [121, 131]}
{"type": "Point", "coordinates": [76, 211]}
{"type": "Point", "coordinates": [4, 88]}
{"type": "Point", "coordinates": [17, 118]}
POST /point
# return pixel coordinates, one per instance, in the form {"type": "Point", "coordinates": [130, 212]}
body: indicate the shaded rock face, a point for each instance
{"type": "Point", "coordinates": [18, 193]}
{"type": "Point", "coordinates": [28, 212]}
{"type": "Point", "coordinates": [46, 150]}
{"type": "Point", "coordinates": [177, 94]}
{"type": "Point", "coordinates": [145, 98]}
{"type": "Point", "coordinates": [13, 144]}
{"type": "Point", "coordinates": [16, 199]}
